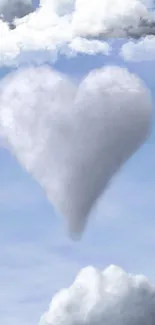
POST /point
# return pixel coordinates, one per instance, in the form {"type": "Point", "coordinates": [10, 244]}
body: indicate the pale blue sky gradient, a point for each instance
{"type": "Point", "coordinates": [36, 256]}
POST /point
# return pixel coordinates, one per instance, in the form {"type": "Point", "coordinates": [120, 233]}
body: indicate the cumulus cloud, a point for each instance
{"type": "Point", "coordinates": [57, 25]}
{"type": "Point", "coordinates": [144, 50]}
{"type": "Point", "coordinates": [47, 30]}
{"type": "Point", "coordinates": [60, 7]}
{"type": "Point", "coordinates": [108, 18]}
{"type": "Point", "coordinates": [110, 297]}
{"type": "Point", "coordinates": [74, 138]}
{"type": "Point", "coordinates": [11, 9]}
{"type": "Point", "coordinates": [86, 46]}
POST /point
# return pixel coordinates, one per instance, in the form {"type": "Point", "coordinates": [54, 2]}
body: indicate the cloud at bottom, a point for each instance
{"type": "Point", "coordinates": [108, 297]}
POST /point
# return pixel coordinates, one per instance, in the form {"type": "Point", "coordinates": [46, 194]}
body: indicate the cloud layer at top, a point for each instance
{"type": "Point", "coordinates": [58, 25]}
{"type": "Point", "coordinates": [74, 138]}
{"type": "Point", "coordinates": [109, 18]}
{"type": "Point", "coordinates": [109, 297]}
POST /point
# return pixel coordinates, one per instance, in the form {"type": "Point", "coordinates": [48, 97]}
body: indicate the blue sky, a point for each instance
{"type": "Point", "coordinates": [36, 256]}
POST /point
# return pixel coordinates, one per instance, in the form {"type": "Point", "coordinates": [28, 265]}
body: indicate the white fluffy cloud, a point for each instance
{"type": "Point", "coordinates": [47, 30]}
{"type": "Point", "coordinates": [111, 18]}
{"type": "Point", "coordinates": [109, 297]}
{"type": "Point", "coordinates": [59, 24]}
{"type": "Point", "coordinates": [144, 50]}
{"type": "Point", "coordinates": [74, 138]}
{"type": "Point", "coordinates": [91, 47]}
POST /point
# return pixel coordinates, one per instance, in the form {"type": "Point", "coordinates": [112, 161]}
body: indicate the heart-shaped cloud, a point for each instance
{"type": "Point", "coordinates": [74, 138]}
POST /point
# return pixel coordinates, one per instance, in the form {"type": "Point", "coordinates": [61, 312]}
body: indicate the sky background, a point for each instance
{"type": "Point", "coordinates": [36, 257]}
